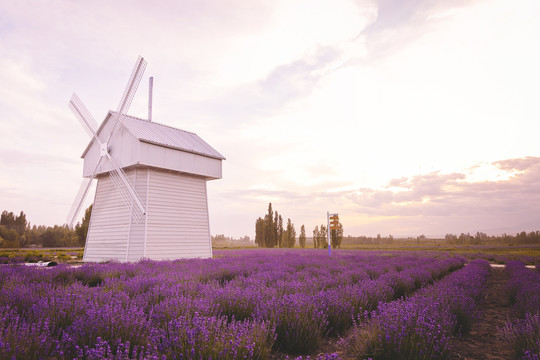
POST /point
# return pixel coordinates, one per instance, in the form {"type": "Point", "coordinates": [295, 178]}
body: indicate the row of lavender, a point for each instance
{"type": "Point", "coordinates": [524, 292]}
{"type": "Point", "coordinates": [422, 326]}
{"type": "Point", "coordinates": [241, 305]}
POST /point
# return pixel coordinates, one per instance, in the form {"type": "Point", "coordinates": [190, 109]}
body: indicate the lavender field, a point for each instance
{"type": "Point", "coordinates": [258, 304]}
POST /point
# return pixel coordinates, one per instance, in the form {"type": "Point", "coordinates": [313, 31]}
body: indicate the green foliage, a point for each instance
{"type": "Point", "coordinates": [269, 232]}
{"type": "Point", "coordinates": [336, 236]}
{"type": "Point", "coordinates": [8, 237]}
{"type": "Point", "coordinates": [320, 237]}
{"type": "Point", "coordinates": [280, 230]}
{"type": "Point", "coordinates": [63, 256]}
{"type": "Point", "coordinates": [302, 237]}
{"type": "Point", "coordinates": [276, 229]}
{"type": "Point", "coordinates": [12, 229]}
{"type": "Point", "coordinates": [289, 235]}
{"type": "Point", "coordinates": [16, 232]}
{"type": "Point", "coordinates": [260, 232]}
{"type": "Point", "coordinates": [59, 236]}
{"type": "Point", "coordinates": [82, 228]}
{"type": "Point", "coordinates": [34, 256]}
{"type": "Point", "coordinates": [270, 237]}
{"type": "Point", "coordinates": [220, 240]}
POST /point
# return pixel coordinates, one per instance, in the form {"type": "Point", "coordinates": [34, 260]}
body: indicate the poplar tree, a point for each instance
{"type": "Point", "coordinates": [269, 239]}
{"type": "Point", "coordinates": [276, 228]}
{"type": "Point", "coordinates": [302, 237]}
{"type": "Point", "coordinates": [20, 223]}
{"type": "Point", "coordinates": [280, 231]}
{"type": "Point", "coordinates": [289, 238]}
{"type": "Point", "coordinates": [260, 232]}
{"type": "Point", "coordinates": [323, 242]}
{"type": "Point", "coordinates": [336, 236]}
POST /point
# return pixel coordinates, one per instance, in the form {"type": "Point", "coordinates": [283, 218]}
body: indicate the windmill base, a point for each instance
{"type": "Point", "coordinates": [175, 226]}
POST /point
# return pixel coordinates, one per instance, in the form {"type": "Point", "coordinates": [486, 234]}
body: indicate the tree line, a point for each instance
{"type": "Point", "coordinates": [17, 232]}
{"type": "Point", "coordinates": [270, 232]}
{"type": "Point", "coordinates": [368, 240]}
{"type": "Point", "coordinates": [480, 238]}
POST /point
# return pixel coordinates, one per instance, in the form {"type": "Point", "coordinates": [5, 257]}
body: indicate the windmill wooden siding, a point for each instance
{"type": "Point", "coordinates": [170, 179]}
{"type": "Point", "coordinates": [109, 223]}
{"type": "Point", "coordinates": [177, 217]}
{"type": "Point", "coordinates": [135, 247]}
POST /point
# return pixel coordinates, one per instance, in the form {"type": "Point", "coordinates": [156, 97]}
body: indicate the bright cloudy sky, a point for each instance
{"type": "Point", "coordinates": [406, 117]}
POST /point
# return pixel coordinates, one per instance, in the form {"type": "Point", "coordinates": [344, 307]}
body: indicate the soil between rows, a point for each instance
{"type": "Point", "coordinates": [484, 340]}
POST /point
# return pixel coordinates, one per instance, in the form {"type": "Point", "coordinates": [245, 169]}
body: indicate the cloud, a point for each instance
{"type": "Point", "coordinates": [446, 199]}
{"type": "Point", "coordinates": [521, 164]}
{"type": "Point", "coordinates": [284, 85]}
{"type": "Point", "coordinates": [393, 14]}
{"type": "Point", "coordinates": [398, 23]}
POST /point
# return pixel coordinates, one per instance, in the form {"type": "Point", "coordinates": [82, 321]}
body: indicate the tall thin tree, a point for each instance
{"type": "Point", "coordinates": [269, 232]}
{"type": "Point", "coordinates": [260, 232]}
{"type": "Point", "coordinates": [276, 228]}
{"type": "Point", "coordinates": [280, 231]}
{"type": "Point", "coordinates": [302, 237]}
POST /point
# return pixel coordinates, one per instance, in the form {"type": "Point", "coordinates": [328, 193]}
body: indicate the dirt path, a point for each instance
{"type": "Point", "coordinates": [483, 341]}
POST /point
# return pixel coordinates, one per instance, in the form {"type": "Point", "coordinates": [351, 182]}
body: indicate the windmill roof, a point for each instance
{"type": "Point", "coordinates": [167, 136]}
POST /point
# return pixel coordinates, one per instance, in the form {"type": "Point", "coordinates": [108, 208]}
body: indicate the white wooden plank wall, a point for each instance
{"type": "Point", "coordinates": [178, 225]}
{"type": "Point", "coordinates": [108, 230]}
{"type": "Point", "coordinates": [135, 249]}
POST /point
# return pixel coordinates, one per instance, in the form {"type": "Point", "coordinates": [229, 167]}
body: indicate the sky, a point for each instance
{"type": "Point", "coordinates": [406, 117]}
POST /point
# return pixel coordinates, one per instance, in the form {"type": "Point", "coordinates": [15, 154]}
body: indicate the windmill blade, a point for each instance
{"type": "Point", "coordinates": [81, 195]}
{"type": "Point", "coordinates": [126, 190]}
{"type": "Point", "coordinates": [78, 202]}
{"type": "Point", "coordinates": [123, 190]}
{"type": "Point", "coordinates": [83, 115]}
{"type": "Point", "coordinates": [132, 85]}
{"type": "Point", "coordinates": [129, 92]}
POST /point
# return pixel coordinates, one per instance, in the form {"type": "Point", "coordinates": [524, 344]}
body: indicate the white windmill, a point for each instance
{"type": "Point", "coordinates": [151, 198]}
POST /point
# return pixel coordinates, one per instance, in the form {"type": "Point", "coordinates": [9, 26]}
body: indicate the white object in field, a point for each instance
{"type": "Point", "coordinates": [150, 200]}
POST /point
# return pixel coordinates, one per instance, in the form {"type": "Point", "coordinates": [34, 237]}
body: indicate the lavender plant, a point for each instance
{"type": "Point", "coordinates": [243, 304]}
{"type": "Point", "coordinates": [523, 334]}
{"type": "Point", "coordinates": [422, 326]}
{"type": "Point", "coordinates": [198, 337]}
